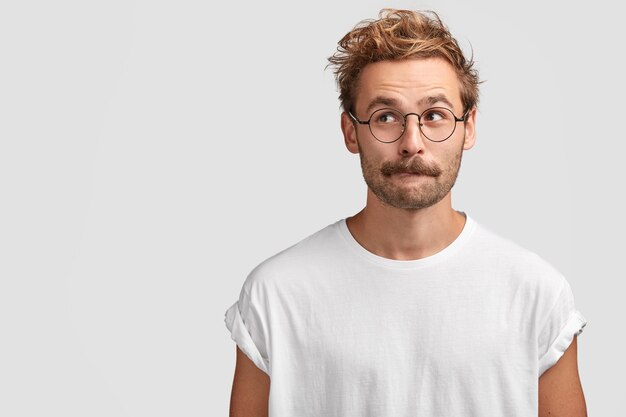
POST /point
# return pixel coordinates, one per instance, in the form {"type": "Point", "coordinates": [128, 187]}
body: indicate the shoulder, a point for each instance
{"type": "Point", "coordinates": [520, 263]}
{"type": "Point", "coordinates": [295, 260]}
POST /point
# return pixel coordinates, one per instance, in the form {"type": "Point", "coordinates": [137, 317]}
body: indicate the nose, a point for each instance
{"type": "Point", "coordinates": [412, 141]}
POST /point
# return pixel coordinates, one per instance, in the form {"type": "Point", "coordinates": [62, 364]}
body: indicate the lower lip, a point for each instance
{"type": "Point", "coordinates": [407, 175]}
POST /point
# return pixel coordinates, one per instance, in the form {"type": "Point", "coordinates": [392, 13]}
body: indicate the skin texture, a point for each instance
{"type": "Point", "coordinates": [411, 217]}
{"type": "Point", "coordinates": [251, 389]}
{"type": "Point", "coordinates": [560, 390]}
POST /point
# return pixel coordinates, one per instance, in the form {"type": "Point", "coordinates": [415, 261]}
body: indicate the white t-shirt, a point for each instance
{"type": "Point", "coordinates": [343, 332]}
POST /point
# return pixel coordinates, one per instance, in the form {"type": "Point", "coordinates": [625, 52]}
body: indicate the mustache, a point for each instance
{"type": "Point", "coordinates": [414, 166]}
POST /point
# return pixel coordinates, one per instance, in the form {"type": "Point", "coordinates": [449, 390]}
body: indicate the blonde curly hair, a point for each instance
{"type": "Point", "coordinates": [400, 34]}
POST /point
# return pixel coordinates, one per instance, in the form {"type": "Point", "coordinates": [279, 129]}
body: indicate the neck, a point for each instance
{"type": "Point", "coordinates": [405, 234]}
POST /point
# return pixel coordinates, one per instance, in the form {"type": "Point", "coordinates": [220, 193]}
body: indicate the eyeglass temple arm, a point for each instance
{"type": "Point", "coordinates": [462, 119]}
{"type": "Point", "coordinates": [363, 122]}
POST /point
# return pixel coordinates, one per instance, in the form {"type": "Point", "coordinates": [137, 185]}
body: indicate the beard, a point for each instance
{"type": "Point", "coordinates": [410, 193]}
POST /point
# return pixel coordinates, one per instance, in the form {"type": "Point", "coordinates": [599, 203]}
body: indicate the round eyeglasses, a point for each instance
{"type": "Point", "coordinates": [388, 125]}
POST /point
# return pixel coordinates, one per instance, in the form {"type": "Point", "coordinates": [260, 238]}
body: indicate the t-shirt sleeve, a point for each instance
{"type": "Point", "coordinates": [246, 327]}
{"type": "Point", "coordinates": [564, 322]}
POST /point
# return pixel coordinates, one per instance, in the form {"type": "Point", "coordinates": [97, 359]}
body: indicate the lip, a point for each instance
{"type": "Point", "coordinates": [408, 174]}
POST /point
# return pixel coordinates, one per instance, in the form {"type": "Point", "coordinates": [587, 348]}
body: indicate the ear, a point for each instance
{"type": "Point", "coordinates": [470, 129]}
{"type": "Point", "coordinates": [349, 132]}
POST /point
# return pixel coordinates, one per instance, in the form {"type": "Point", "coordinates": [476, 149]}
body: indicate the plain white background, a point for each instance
{"type": "Point", "coordinates": [153, 152]}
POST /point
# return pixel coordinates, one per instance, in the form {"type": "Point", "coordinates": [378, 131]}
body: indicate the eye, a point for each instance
{"type": "Point", "coordinates": [434, 115]}
{"type": "Point", "coordinates": [385, 117]}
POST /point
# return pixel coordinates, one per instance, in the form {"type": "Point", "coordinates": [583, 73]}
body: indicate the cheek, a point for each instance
{"type": "Point", "coordinates": [373, 156]}
{"type": "Point", "coordinates": [451, 158]}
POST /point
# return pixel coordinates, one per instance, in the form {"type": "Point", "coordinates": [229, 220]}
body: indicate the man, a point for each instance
{"type": "Point", "coordinates": [407, 308]}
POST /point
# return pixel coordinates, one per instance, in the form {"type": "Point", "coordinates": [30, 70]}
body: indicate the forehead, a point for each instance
{"type": "Point", "coordinates": [408, 81]}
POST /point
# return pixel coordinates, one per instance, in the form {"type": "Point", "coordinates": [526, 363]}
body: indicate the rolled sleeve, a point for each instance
{"type": "Point", "coordinates": [240, 333]}
{"type": "Point", "coordinates": [562, 324]}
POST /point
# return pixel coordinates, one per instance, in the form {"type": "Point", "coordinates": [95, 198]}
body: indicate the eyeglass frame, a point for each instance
{"type": "Point", "coordinates": [419, 124]}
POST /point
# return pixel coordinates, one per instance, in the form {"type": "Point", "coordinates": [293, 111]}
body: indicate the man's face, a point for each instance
{"type": "Point", "coordinates": [412, 172]}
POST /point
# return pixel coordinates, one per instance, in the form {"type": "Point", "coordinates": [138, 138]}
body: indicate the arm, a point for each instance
{"type": "Point", "coordinates": [560, 390]}
{"type": "Point", "coordinates": [251, 387]}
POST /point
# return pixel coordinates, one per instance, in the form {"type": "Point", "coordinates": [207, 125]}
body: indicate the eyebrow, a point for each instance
{"type": "Point", "coordinates": [439, 98]}
{"type": "Point", "coordinates": [388, 101]}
